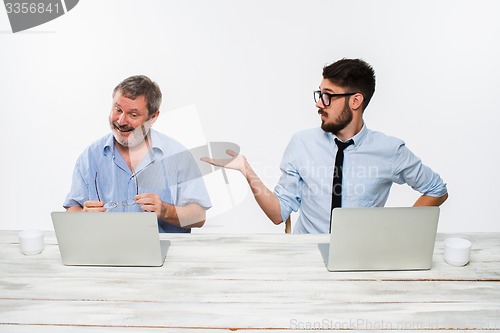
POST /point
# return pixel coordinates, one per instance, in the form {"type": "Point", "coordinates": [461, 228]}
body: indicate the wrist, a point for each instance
{"type": "Point", "coordinates": [167, 212]}
{"type": "Point", "coordinates": [247, 169]}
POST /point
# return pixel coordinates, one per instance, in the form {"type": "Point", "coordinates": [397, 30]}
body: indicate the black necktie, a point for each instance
{"type": "Point", "coordinates": [337, 175]}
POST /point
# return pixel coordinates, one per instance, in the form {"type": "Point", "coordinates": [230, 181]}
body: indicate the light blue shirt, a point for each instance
{"type": "Point", "coordinates": [371, 165]}
{"type": "Point", "coordinates": [169, 170]}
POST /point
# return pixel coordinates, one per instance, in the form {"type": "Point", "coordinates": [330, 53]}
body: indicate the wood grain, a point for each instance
{"type": "Point", "coordinates": [218, 283]}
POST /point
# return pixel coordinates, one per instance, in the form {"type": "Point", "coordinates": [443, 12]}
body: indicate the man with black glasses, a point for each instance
{"type": "Point", "coordinates": [341, 164]}
{"type": "Point", "coordinates": [136, 168]}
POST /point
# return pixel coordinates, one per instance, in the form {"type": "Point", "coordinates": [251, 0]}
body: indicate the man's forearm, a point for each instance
{"type": "Point", "coordinates": [74, 209]}
{"type": "Point", "coordinates": [266, 199]}
{"type": "Point", "coordinates": [189, 216]}
{"type": "Point", "coordinates": [426, 200]}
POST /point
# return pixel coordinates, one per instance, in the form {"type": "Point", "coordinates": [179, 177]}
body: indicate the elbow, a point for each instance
{"type": "Point", "coordinates": [443, 198]}
{"type": "Point", "coordinates": [195, 217]}
{"type": "Point", "coordinates": [435, 201]}
{"type": "Point", "coordinates": [198, 224]}
{"type": "Point", "coordinates": [276, 219]}
{"type": "Point", "coordinates": [427, 200]}
{"type": "Point", "coordinates": [202, 218]}
{"type": "Point", "coordinates": [74, 209]}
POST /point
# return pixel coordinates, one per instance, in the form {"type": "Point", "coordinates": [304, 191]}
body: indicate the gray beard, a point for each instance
{"type": "Point", "coordinates": [136, 137]}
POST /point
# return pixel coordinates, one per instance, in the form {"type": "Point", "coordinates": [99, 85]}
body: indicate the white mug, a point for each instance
{"type": "Point", "coordinates": [457, 251]}
{"type": "Point", "coordinates": [31, 242]}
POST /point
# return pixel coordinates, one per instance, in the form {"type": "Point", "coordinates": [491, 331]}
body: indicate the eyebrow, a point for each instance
{"type": "Point", "coordinates": [327, 89]}
{"type": "Point", "coordinates": [131, 110]}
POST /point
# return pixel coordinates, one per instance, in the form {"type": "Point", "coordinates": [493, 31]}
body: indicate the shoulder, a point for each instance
{"type": "Point", "coordinates": [311, 135]}
{"type": "Point", "coordinates": [98, 147]}
{"type": "Point", "coordinates": [166, 144]}
{"type": "Point", "coordinates": [308, 143]}
{"type": "Point", "coordinates": [171, 150]}
{"type": "Point", "coordinates": [102, 142]}
{"type": "Point", "coordinates": [381, 139]}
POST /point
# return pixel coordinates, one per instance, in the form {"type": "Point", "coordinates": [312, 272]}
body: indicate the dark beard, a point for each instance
{"type": "Point", "coordinates": [343, 120]}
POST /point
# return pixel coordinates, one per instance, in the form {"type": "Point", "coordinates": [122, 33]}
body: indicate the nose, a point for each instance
{"type": "Point", "coordinates": [319, 104]}
{"type": "Point", "coordinates": [122, 119]}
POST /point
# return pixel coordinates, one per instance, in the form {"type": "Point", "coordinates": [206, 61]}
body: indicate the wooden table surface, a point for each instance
{"type": "Point", "coordinates": [254, 282]}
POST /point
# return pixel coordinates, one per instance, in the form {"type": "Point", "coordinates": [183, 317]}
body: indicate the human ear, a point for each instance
{"type": "Point", "coordinates": [153, 117]}
{"type": "Point", "coordinates": [356, 101]}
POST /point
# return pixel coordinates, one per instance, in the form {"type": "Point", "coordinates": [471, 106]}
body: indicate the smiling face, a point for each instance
{"type": "Point", "coordinates": [129, 120]}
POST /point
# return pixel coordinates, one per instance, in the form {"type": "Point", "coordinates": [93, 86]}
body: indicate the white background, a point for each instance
{"type": "Point", "coordinates": [248, 69]}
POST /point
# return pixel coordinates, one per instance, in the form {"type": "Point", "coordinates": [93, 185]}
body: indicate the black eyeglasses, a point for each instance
{"type": "Point", "coordinates": [113, 204]}
{"type": "Point", "coordinates": [326, 98]}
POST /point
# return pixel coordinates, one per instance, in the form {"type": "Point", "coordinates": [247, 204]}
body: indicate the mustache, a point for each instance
{"type": "Point", "coordinates": [321, 112]}
{"type": "Point", "coordinates": [124, 128]}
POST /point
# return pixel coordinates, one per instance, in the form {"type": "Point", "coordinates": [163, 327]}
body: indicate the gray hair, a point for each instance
{"type": "Point", "coordinates": [141, 85]}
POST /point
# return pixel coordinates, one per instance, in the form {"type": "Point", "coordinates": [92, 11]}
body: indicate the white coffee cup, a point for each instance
{"type": "Point", "coordinates": [457, 251]}
{"type": "Point", "coordinates": [31, 241]}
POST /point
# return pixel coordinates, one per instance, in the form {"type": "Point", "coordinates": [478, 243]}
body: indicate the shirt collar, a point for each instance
{"type": "Point", "coordinates": [358, 138]}
{"type": "Point", "coordinates": [108, 145]}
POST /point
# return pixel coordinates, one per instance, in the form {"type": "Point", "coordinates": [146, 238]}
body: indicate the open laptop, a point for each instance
{"type": "Point", "coordinates": [109, 239]}
{"type": "Point", "coordinates": [382, 238]}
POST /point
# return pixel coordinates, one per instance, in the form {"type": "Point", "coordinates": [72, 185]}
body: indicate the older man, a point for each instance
{"type": "Point", "coordinates": [136, 168]}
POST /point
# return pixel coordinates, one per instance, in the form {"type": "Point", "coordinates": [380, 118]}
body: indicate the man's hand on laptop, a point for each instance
{"type": "Point", "coordinates": [93, 206]}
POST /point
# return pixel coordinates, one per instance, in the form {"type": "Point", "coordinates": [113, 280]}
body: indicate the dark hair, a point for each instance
{"type": "Point", "coordinates": [141, 85]}
{"type": "Point", "coordinates": [355, 75]}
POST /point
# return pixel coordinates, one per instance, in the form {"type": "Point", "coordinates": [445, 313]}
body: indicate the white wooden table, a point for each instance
{"type": "Point", "coordinates": [222, 283]}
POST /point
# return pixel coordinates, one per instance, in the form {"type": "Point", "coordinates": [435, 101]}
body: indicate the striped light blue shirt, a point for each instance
{"type": "Point", "coordinates": [371, 165]}
{"type": "Point", "coordinates": [169, 171]}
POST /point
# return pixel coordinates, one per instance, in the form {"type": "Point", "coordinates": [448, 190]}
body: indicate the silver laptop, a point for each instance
{"type": "Point", "coordinates": [390, 238]}
{"type": "Point", "coordinates": [109, 239]}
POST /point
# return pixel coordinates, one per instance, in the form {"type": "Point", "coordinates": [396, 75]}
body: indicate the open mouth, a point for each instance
{"type": "Point", "coordinates": [123, 129]}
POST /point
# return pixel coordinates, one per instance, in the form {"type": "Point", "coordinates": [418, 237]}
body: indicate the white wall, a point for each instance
{"type": "Point", "coordinates": [249, 68]}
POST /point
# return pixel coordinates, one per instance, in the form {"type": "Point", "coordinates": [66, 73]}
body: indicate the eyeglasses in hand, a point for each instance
{"type": "Point", "coordinates": [113, 204]}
